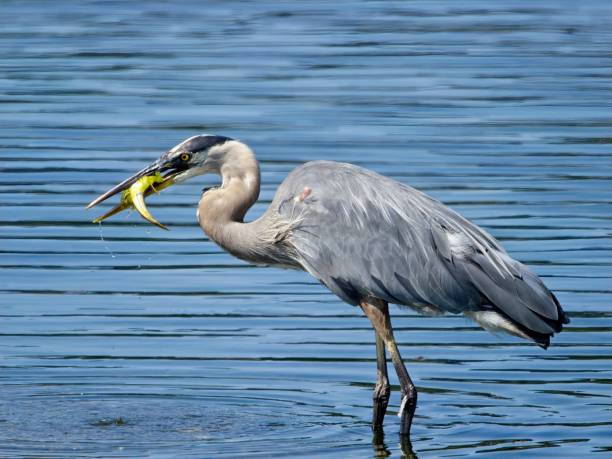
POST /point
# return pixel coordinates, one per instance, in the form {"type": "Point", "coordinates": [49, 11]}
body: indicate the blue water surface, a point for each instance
{"type": "Point", "coordinates": [123, 340]}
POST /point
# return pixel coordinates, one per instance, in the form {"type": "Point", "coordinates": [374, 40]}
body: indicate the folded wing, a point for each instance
{"type": "Point", "coordinates": [364, 234]}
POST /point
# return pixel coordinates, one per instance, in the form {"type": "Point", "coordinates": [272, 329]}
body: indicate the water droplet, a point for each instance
{"type": "Point", "coordinates": [104, 241]}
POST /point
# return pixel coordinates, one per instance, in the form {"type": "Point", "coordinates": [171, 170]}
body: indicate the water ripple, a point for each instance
{"type": "Point", "coordinates": [121, 341]}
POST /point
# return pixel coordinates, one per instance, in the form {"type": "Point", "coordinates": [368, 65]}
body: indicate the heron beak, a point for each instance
{"type": "Point", "coordinates": [135, 189]}
{"type": "Point", "coordinates": [149, 170]}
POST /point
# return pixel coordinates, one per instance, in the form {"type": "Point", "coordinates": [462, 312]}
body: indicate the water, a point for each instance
{"type": "Point", "coordinates": [127, 341]}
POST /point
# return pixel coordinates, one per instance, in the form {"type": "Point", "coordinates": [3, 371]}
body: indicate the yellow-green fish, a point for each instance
{"type": "Point", "coordinates": [134, 197]}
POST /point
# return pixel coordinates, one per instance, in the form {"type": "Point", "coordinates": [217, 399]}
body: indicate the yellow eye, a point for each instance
{"type": "Point", "coordinates": [185, 157]}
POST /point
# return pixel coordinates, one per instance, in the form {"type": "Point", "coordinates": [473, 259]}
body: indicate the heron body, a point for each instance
{"type": "Point", "coordinates": [372, 241]}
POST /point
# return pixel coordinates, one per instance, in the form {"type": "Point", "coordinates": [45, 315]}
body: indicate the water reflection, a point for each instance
{"type": "Point", "coordinates": [378, 444]}
{"type": "Point", "coordinates": [381, 450]}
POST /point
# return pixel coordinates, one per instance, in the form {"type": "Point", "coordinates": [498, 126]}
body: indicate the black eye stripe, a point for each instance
{"type": "Point", "coordinates": [194, 145]}
{"type": "Point", "coordinates": [204, 142]}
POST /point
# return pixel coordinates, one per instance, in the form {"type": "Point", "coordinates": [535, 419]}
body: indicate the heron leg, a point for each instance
{"type": "Point", "coordinates": [382, 390]}
{"type": "Point", "coordinates": [378, 312]}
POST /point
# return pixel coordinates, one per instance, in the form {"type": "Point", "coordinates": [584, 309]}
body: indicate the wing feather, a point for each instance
{"type": "Point", "coordinates": [364, 234]}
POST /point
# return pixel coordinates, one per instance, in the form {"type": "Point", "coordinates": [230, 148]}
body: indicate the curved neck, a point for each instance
{"type": "Point", "coordinates": [221, 210]}
{"type": "Point", "coordinates": [237, 194]}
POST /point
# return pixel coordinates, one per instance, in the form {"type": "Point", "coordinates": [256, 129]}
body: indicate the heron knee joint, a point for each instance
{"type": "Point", "coordinates": [382, 391]}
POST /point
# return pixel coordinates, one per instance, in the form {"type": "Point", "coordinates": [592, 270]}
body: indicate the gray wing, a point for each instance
{"type": "Point", "coordinates": [362, 234]}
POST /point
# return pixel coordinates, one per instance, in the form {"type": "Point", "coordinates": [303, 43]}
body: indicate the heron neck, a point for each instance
{"type": "Point", "coordinates": [221, 211]}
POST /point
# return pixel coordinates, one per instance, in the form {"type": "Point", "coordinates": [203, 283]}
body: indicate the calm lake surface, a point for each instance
{"type": "Point", "coordinates": [123, 340]}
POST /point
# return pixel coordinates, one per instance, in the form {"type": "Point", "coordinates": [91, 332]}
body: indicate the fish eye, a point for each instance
{"type": "Point", "coordinates": [185, 157]}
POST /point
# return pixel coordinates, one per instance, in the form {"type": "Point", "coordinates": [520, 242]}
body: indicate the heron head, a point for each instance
{"type": "Point", "coordinates": [197, 155]}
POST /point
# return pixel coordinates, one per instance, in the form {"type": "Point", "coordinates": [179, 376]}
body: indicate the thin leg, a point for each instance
{"type": "Point", "coordinates": [382, 390]}
{"type": "Point", "coordinates": [378, 313]}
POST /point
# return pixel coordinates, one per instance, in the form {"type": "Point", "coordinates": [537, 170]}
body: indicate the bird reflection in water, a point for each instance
{"type": "Point", "coordinates": [381, 450]}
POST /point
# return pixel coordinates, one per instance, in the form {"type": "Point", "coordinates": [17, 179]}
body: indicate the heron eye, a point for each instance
{"type": "Point", "coordinates": [185, 157]}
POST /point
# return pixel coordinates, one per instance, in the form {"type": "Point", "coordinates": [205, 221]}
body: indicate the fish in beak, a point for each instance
{"type": "Point", "coordinates": [136, 188]}
{"type": "Point", "coordinates": [134, 197]}
{"type": "Point", "coordinates": [185, 160]}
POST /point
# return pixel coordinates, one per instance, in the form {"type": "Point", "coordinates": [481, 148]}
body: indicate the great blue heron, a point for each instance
{"type": "Point", "coordinates": [371, 240]}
